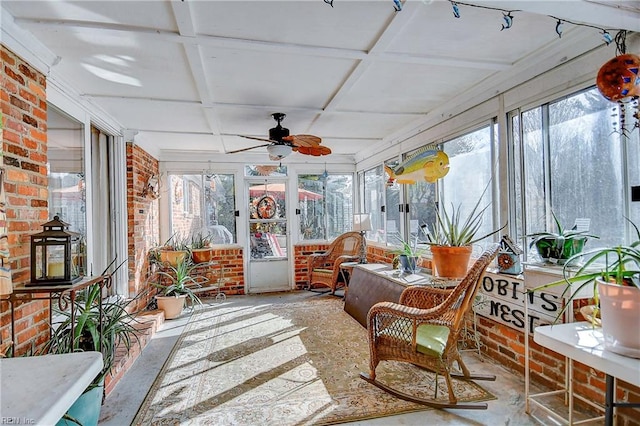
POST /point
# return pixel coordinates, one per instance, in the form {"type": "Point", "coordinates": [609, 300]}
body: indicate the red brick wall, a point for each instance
{"type": "Point", "coordinates": [24, 120]}
{"type": "Point", "coordinates": [375, 254]}
{"type": "Point", "coordinates": [506, 346]}
{"type": "Point", "coordinates": [142, 219]}
{"type": "Point", "coordinates": [232, 270]}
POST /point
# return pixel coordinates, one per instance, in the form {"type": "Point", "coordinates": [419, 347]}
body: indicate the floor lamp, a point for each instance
{"type": "Point", "coordinates": [362, 223]}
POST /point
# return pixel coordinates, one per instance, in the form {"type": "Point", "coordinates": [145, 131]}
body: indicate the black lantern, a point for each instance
{"type": "Point", "coordinates": [55, 253]}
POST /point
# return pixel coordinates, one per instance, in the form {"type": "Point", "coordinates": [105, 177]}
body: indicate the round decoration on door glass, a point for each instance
{"type": "Point", "coordinates": [266, 207]}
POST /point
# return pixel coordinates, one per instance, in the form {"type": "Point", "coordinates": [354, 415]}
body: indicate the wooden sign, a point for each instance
{"type": "Point", "coordinates": [502, 297]}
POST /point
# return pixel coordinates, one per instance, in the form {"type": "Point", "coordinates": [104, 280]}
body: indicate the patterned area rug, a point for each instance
{"type": "Point", "coordinates": [280, 360]}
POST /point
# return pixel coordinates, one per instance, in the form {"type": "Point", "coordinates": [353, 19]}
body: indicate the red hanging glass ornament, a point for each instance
{"type": "Point", "coordinates": [619, 78]}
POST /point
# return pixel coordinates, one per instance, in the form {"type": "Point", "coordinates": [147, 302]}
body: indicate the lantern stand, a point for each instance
{"type": "Point", "coordinates": [55, 255]}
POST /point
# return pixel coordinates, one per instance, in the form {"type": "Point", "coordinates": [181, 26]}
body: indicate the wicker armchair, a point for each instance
{"type": "Point", "coordinates": [324, 268]}
{"type": "Point", "coordinates": [424, 330]}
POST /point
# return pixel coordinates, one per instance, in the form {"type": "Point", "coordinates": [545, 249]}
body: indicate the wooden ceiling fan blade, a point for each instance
{"type": "Point", "coordinates": [247, 149]}
{"type": "Point", "coordinates": [316, 151]}
{"type": "Point", "coordinates": [305, 140]}
{"type": "Point", "coordinates": [258, 139]}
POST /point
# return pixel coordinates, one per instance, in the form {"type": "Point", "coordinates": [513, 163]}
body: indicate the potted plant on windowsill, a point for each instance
{"type": "Point", "coordinates": [201, 248]}
{"type": "Point", "coordinates": [614, 275]}
{"type": "Point", "coordinates": [408, 257]}
{"type": "Point", "coordinates": [175, 285]}
{"type": "Point", "coordinates": [174, 250]}
{"type": "Point", "coordinates": [557, 247]}
{"type": "Point", "coordinates": [453, 237]}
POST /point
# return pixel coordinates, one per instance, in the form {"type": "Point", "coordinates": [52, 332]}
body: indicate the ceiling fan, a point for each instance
{"type": "Point", "coordinates": [281, 143]}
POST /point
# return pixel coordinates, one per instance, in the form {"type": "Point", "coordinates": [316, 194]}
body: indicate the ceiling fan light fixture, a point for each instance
{"type": "Point", "coordinates": [279, 151]}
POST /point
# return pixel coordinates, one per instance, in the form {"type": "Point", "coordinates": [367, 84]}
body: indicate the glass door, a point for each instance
{"type": "Point", "coordinates": [268, 259]}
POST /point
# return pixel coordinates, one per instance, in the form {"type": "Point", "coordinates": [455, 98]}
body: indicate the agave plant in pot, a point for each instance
{"type": "Point", "coordinates": [201, 247]}
{"type": "Point", "coordinates": [613, 273]}
{"type": "Point", "coordinates": [453, 236]}
{"type": "Point", "coordinates": [174, 250]}
{"type": "Point", "coordinates": [175, 284]}
{"type": "Point", "coordinates": [408, 257]}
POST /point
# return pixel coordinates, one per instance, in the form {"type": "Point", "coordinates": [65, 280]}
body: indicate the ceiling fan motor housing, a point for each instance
{"type": "Point", "coordinates": [278, 132]}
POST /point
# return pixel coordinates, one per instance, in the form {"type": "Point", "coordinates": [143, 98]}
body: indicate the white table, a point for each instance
{"type": "Point", "coordinates": [39, 390]}
{"type": "Point", "coordinates": [580, 341]}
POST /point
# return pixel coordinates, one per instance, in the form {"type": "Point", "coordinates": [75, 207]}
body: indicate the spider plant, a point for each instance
{"type": "Point", "coordinates": [114, 320]}
{"type": "Point", "coordinates": [614, 265]}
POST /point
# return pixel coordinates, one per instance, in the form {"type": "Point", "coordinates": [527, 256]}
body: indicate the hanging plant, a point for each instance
{"type": "Point", "coordinates": [618, 81]}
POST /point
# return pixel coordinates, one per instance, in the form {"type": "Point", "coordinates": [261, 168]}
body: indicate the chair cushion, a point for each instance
{"type": "Point", "coordinates": [323, 271]}
{"type": "Point", "coordinates": [432, 339]}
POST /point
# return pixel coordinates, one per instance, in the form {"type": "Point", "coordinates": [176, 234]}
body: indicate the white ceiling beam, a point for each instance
{"type": "Point", "coordinates": [390, 31]}
{"type": "Point", "coordinates": [186, 28]}
{"type": "Point", "coordinates": [237, 105]}
{"type": "Point", "coordinates": [264, 46]}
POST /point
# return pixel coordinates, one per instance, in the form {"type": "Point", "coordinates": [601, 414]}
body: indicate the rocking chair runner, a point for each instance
{"type": "Point", "coordinates": [324, 268]}
{"type": "Point", "coordinates": [424, 330]}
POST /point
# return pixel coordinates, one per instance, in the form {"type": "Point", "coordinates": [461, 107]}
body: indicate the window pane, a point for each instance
{"type": "Point", "coordinates": [373, 193]}
{"type": "Point", "coordinates": [421, 198]}
{"type": "Point", "coordinates": [267, 219]}
{"type": "Point", "coordinates": [67, 200]}
{"type": "Point", "coordinates": [469, 175]}
{"type": "Point", "coordinates": [516, 185]}
{"type": "Point", "coordinates": [67, 184]}
{"type": "Point", "coordinates": [633, 158]}
{"type": "Point", "coordinates": [326, 205]}
{"type": "Point", "coordinates": [534, 171]}
{"type": "Point", "coordinates": [203, 204]}
{"type": "Point", "coordinates": [220, 207]}
{"type": "Point", "coordinates": [586, 165]}
{"type": "Point", "coordinates": [392, 213]}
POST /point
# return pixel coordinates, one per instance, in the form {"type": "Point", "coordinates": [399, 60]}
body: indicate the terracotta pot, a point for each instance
{"type": "Point", "coordinates": [202, 255]}
{"type": "Point", "coordinates": [171, 305]}
{"type": "Point", "coordinates": [173, 257]}
{"type": "Point", "coordinates": [451, 262]}
{"type": "Point", "coordinates": [620, 316]}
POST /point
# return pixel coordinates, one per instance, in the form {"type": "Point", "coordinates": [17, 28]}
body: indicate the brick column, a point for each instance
{"type": "Point", "coordinates": [24, 121]}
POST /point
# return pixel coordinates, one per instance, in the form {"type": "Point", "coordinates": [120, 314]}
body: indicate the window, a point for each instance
{"type": "Point", "coordinates": [373, 185]}
{"type": "Point", "coordinates": [392, 212]}
{"type": "Point", "coordinates": [470, 172]}
{"type": "Point", "coordinates": [203, 203]}
{"type": "Point", "coordinates": [325, 202]}
{"type": "Point", "coordinates": [566, 158]}
{"type": "Point", "coordinates": [410, 206]}
{"type": "Point", "coordinates": [67, 200]}
{"type": "Point", "coordinates": [67, 184]}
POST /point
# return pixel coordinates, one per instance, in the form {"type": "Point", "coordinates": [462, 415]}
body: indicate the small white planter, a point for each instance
{"type": "Point", "coordinates": [620, 314]}
{"type": "Point", "coordinates": [171, 305]}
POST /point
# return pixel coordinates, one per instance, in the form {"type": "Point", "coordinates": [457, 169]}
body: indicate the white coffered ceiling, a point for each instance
{"type": "Point", "coordinates": [191, 75]}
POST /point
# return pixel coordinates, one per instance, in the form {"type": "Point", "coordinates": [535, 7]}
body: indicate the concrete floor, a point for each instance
{"type": "Point", "coordinates": [508, 409]}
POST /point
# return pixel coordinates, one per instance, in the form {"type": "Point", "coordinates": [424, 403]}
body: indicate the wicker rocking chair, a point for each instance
{"type": "Point", "coordinates": [324, 268]}
{"type": "Point", "coordinates": [424, 329]}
